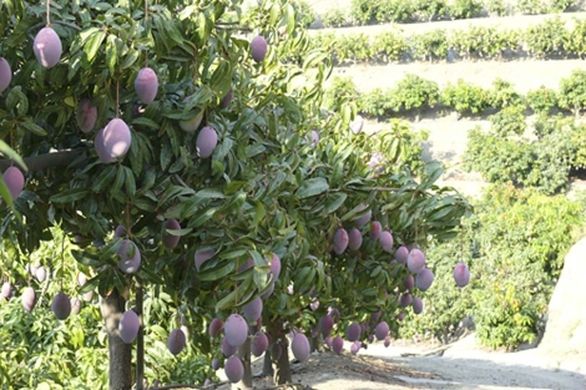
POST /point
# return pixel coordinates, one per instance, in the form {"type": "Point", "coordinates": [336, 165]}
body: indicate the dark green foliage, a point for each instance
{"type": "Point", "coordinates": [398, 11]}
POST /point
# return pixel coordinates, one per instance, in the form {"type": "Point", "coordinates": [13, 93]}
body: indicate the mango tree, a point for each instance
{"type": "Point", "coordinates": [175, 147]}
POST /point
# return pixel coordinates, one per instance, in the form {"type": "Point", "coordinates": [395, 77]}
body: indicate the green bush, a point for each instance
{"type": "Point", "coordinates": [514, 245]}
{"type": "Point", "coordinates": [466, 99]}
{"type": "Point", "coordinates": [428, 10]}
{"type": "Point", "coordinates": [509, 121]}
{"type": "Point", "coordinates": [524, 238]}
{"type": "Point", "coordinates": [389, 46]}
{"type": "Point", "coordinates": [465, 9]}
{"type": "Point", "coordinates": [501, 157]}
{"type": "Point", "coordinates": [398, 11]}
{"type": "Point", "coordinates": [563, 5]}
{"type": "Point", "coordinates": [576, 39]}
{"type": "Point", "coordinates": [573, 92]}
{"type": "Point", "coordinates": [376, 103]}
{"type": "Point", "coordinates": [305, 13]}
{"type": "Point", "coordinates": [342, 89]}
{"type": "Point", "coordinates": [498, 159]}
{"type": "Point", "coordinates": [532, 7]}
{"type": "Point", "coordinates": [335, 18]}
{"type": "Point", "coordinates": [363, 11]}
{"type": "Point", "coordinates": [547, 39]}
{"type": "Point", "coordinates": [543, 100]}
{"type": "Point", "coordinates": [414, 93]}
{"type": "Point", "coordinates": [430, 46]}
{"type": "Point", "coordinates": [503, 94]}
{"type": "Point", "coordinates": [496, 7]}
{"type": "Point", "coordinates": [484, 42]}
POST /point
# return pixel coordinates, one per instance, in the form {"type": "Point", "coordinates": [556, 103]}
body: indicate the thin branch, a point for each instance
{"type": "Point", "coordinates": [46, 161]}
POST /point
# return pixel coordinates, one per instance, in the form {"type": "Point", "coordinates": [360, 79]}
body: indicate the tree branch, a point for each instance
{"type": "Point", "coordinates": [46, 161]}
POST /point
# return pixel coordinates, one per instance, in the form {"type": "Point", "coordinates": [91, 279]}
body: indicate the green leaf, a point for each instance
{"type": "Point", "coordinates": [69, 197]}
{"type": "Point", "coordinates": [9, 153]}
{"type": "Point", "coordinates": [111, 53]}
{"type": "Point", "coordinates": [217, 273]}
{"type": "Point", "coordinates": [34, 128]}
{"type": "Point", "coordinates": [93, 43]}
{"type": "Point", "coordinates": [313, 187]}
{"type": "Point", "coordinates": [5, 193]}
{"type": "Point", "coordinates": [336, 201]}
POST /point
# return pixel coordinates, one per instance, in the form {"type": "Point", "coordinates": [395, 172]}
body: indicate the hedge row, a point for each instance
{"type": "Point", "coordinates": [365, 12]}
{"type": "Point", "coordinates": [550, 39]}
{"type": "Point", "coordinates": [414, 94]}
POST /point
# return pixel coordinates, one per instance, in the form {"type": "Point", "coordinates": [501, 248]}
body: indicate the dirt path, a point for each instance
{"type": "Point", "coordinates": [466, 366]}
{"type": "Point", "coordinates": [505, 23]}
{"type": "Point", "coordinates": [525, 75]}
{"type": "Point", "coordinates": [418, 366]}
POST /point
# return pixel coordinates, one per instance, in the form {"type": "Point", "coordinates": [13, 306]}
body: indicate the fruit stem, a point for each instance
{"type": "Point", "coordinates": [48, 4]}
{"type": "Point", "coordinates": [117, 98]}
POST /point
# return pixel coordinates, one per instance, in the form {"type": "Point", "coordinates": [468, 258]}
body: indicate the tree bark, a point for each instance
{"type": "Point", "coordinates": [280, 357]}
{"type": "Point", "coordinates": [120, 370]}
{"type": "Point", "coordinates": [45, 161]}
{"type": "Point", "coordinates": [267, 366]}
{"type": "Point", "coordinates": [282, 368]}
{"type": "Point", "coordinates": [139, 340]}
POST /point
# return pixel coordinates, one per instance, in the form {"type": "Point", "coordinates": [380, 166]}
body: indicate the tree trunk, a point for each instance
{"type": "Point", "coordinates": [267, 367]}
{"type": "Point", "coordinates": [139, 340]}
{"type": "Point", "coordinates": [282, 368]}
{"type": "Point", "coordinates": [120, 371]}
{"type": "Point", "coordinates": [244, 353]}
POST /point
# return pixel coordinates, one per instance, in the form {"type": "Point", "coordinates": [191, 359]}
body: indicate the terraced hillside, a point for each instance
{"type": "Point", "coordinates": [448, 130]}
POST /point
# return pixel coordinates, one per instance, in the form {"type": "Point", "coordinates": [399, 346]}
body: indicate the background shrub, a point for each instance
{"type": "Point", "coordinates": [514, 244]}
{"type": "Point", "coordinates": [428, 10]}
{"type": "Point", "coordinates": [398, 11]}
{"type": "Point", "coordinates": [430, 46]}
{"type": "Point", "coordinates": [335, 18]}
{"type": "Point", "coordinates": [341, 89]}
{"type": "Point", "coordinates": [465, 98]}
{"type": "Point", "coordinates": [542, 100]}
{"type": "Point", "coordinates": [464, 9]}
{"type": "Point", "coordinates": [509, 121]}
{"type": "Point", "coordinates": [389, 46]}
{"type": "Point", "coordinates": [573, 92]}
{"type": "Point", "coordinates": [503, 94]}
{"type": "Point", "coordinates": [547, 39]}
{"type": "Point", "coordinates": [414, 93]}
